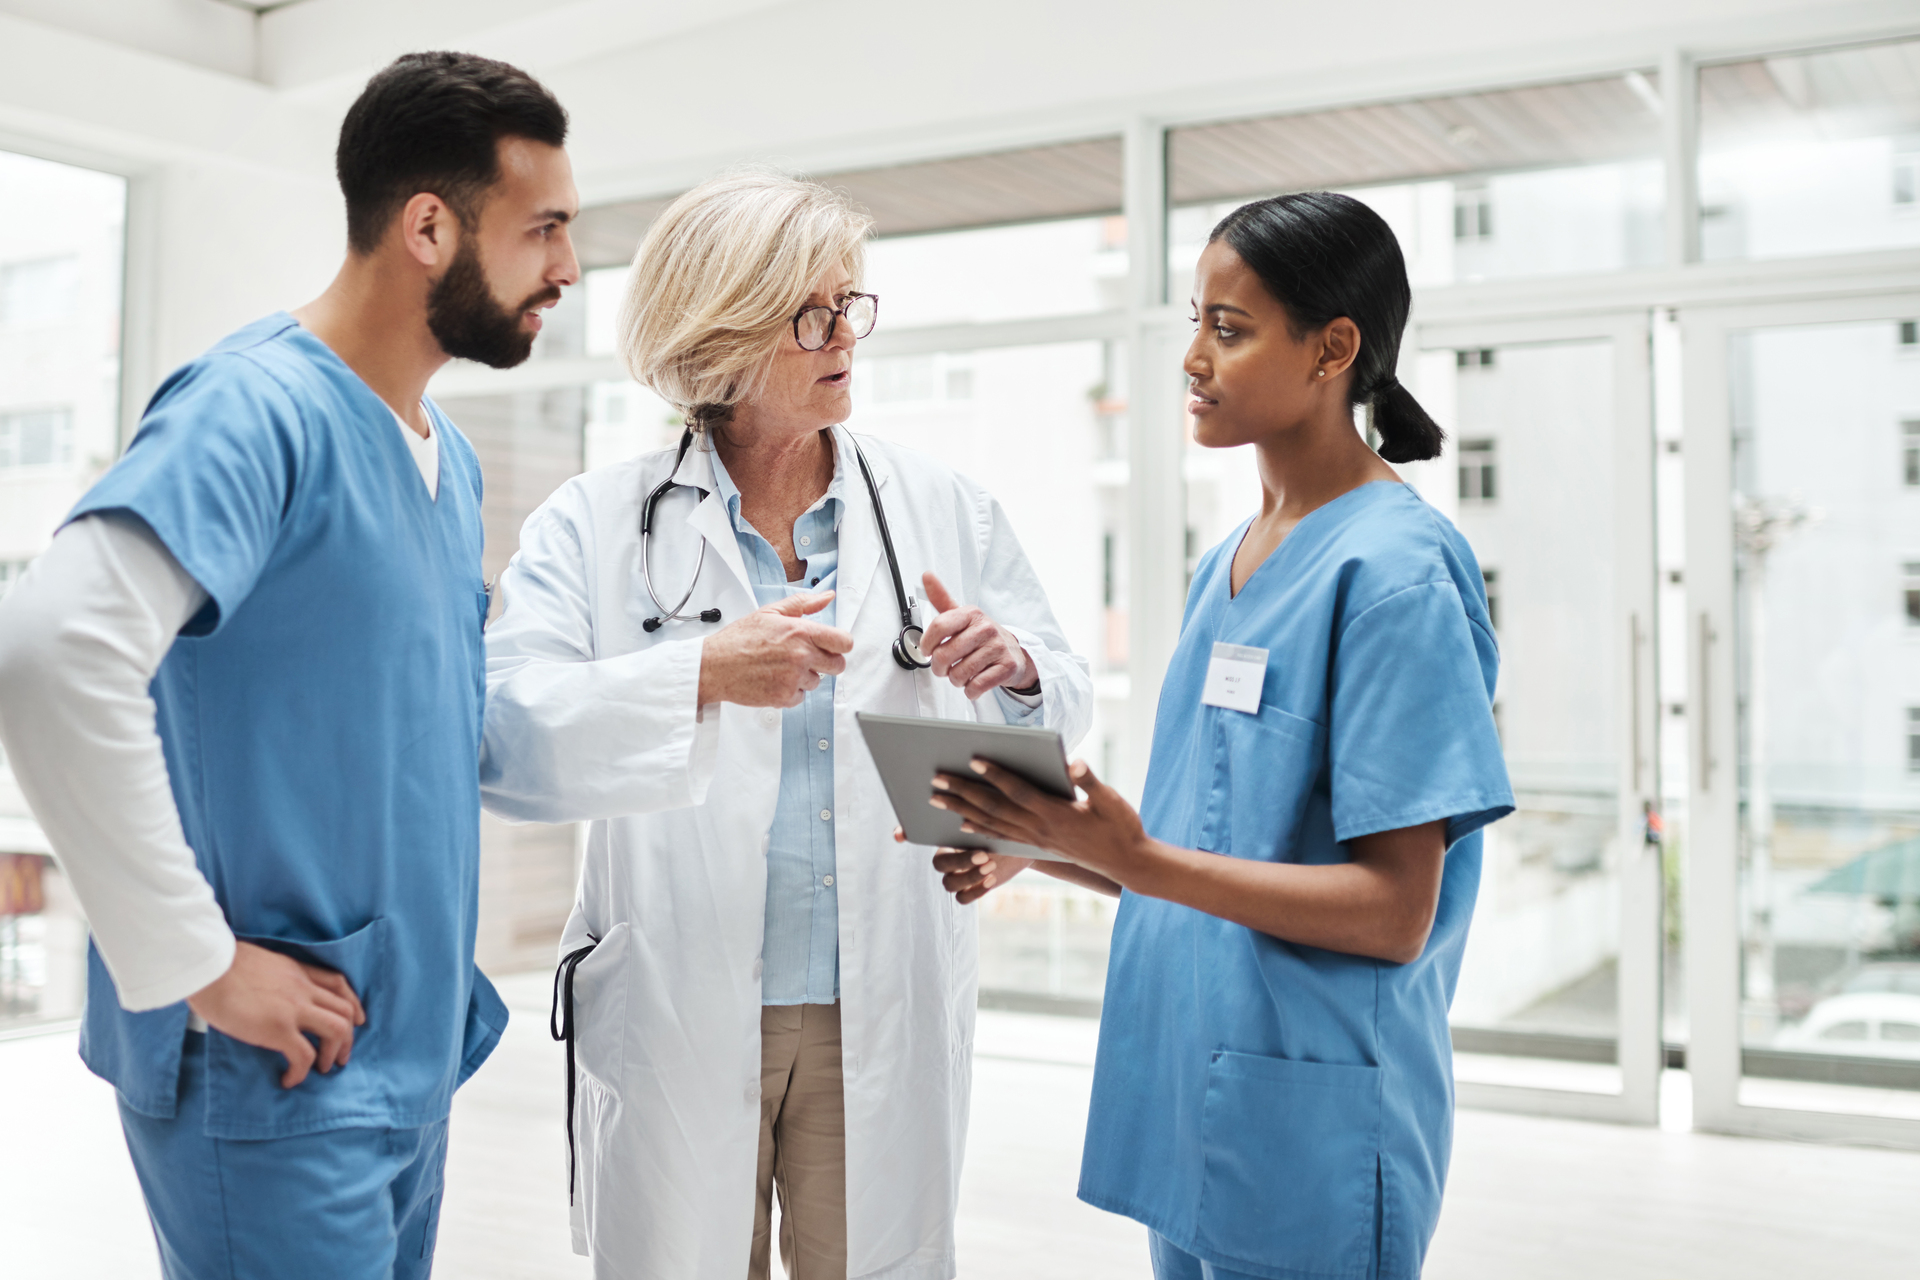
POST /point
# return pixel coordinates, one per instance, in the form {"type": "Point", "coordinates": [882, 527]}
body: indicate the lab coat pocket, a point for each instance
{"type": "Point", "coordinates": [600, 1008]}
{"type": "Point", "coordinates": [601, 1197]}
{"type": "Point", "coordinates": [244, 1097]}
{"type": "Point", "coordinates": [1265, 770]}
{"type": "Point", "coordinates": [1292, 1154]}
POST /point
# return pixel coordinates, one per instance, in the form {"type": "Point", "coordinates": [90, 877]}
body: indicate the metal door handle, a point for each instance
{"type": "Point", "coordinates": [1704, 701]}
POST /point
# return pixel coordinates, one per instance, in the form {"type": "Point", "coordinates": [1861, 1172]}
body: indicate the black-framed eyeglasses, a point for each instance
{"type": "Point", "coordinates": [813, 327]}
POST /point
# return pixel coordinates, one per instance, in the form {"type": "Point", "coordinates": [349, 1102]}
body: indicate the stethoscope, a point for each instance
{"type": "Point", "coordinates": [906, 649]}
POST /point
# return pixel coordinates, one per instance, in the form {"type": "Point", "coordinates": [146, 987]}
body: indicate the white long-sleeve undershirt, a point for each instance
{"type": "Point", "coordinates": [82, 635]}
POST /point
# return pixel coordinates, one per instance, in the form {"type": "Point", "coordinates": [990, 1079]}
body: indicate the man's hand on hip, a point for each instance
{"type": "Point", "coordinates": [274, 1002]}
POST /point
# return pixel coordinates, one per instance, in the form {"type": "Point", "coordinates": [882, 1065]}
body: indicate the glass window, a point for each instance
{"type": "Point", "coordinates": [1907, 1032]}
{"type": "Point", "coordinates": [45, 292]}
{"type": "Point", "coordinates": [1810, 153]}
{"type": "Point", "coordinates": [1066, 267]}
{"type": "Point", "coordinates": [1910, 452]}
{"type": "Point", "coordinates": [1557, 179]}
{"type": "Point", "coordinates": [1829, 729]}
{"type": "Point", "coordinates": [61, 237]}
{"type": "Point", "coordinates": [1541, 965]}
{"type": "Point", "coordinates": [1048, 411]}
{"type": "Point", "coordinates": [1492, 579]}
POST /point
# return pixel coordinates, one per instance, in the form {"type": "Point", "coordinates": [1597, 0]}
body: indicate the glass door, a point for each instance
{"type": "Point", "coordinates": [1803, 922]}
{"type": "Point", "coordinates": [1548, 472]}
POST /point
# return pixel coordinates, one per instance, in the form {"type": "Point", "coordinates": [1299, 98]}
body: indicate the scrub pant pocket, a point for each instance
{"type": "Point", "coordinates": [1292, 1165]}
{"type": "Point", "coordinates": [359, 1203]}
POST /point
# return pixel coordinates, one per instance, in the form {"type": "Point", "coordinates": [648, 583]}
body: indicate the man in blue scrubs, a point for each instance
{"type": "Point", "coordinates": [272, 820]}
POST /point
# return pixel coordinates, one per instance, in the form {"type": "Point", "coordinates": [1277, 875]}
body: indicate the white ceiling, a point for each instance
{"type": "Point", "coordinates": [314, 47]}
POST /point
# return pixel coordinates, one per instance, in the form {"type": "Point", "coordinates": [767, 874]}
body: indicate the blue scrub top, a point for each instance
{"type": "Point", "coordinates": [1276, 1109]}
{"type": "Point", "coordinates": [321, 721]}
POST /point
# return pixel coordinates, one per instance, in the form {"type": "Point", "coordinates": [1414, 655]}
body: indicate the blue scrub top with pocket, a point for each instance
{"type": "Point", "coordinates": [321, 723]}
{"type": "Point", "coordinates": [1275, 1109]}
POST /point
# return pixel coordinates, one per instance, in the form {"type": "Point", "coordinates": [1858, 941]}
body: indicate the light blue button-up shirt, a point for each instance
{"type": "Point", "coordinates": [800, 958]}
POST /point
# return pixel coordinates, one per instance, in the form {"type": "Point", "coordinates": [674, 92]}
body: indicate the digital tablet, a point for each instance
{"type": "Point", "coordinates": [910, 750]}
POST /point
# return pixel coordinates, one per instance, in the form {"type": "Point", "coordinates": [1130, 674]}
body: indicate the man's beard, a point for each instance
{"type": "Point", "coordinates": [469, 324]}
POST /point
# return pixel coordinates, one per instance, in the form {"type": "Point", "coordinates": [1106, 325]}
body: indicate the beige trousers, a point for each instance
{"type": "Point", "coordinates": [803, 1143]}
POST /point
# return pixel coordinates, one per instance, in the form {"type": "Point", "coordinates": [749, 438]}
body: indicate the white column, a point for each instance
{"type": "Point", "coordinates": [1680, 147]}
{"type": "Point", "coordinates": [1156, 448]}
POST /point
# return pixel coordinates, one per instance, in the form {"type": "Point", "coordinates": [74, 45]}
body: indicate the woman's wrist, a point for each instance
{"type": "Point", "coordinates": [1146, 867]}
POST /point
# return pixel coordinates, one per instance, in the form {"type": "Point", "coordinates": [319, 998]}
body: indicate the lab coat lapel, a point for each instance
{"type": "Point", "coordinates": [710, 520]}
{"type": "Point", "coordinates": [863, 571]}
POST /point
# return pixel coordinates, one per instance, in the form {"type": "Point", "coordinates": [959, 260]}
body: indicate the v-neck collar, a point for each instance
{"type": "Point", "coordinates": [1349, 498]}
{"type": "Point", "coordinates": [395, 448]}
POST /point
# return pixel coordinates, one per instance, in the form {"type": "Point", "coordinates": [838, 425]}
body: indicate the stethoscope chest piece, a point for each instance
{"type": "Point", "coordinates": [906, 650]}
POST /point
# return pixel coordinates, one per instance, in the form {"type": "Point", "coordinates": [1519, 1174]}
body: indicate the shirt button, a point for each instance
{"type": "Point", "coordinates": [827, 881]}
{"type": "Point", "coordinates": [805, 541]}
{"type": "Point", "coordinates": [826, 815]}
{"type": "Point", "coordinates": [756, 971]}
{"type": "Point", "coordinates": [769, 717]}
{"type": "Point", "coordinates": [824, 744]}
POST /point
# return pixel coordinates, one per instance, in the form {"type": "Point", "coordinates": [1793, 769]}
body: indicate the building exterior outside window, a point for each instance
{"type": "Point", "coordinates": [1479, 471]}
{"type": "Point", "coordinates": [38, 438]}
{"type": "Point", "coordinates": [1472, 214]}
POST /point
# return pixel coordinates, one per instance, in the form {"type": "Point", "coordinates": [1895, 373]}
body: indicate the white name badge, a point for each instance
{"type": "Point", "coordinates": [1234, 677]}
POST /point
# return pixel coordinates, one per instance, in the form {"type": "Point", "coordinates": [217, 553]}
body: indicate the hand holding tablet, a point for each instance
{"type": "Point", "coordinates": [909, 751]}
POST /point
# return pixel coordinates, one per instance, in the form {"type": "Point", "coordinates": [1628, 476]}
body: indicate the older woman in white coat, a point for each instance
{"type": "Point", "coordinates": [778, 995]}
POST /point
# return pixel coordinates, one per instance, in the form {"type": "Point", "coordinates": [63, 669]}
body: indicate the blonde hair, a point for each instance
{"type": "Point", "coordinates": [718, 279]}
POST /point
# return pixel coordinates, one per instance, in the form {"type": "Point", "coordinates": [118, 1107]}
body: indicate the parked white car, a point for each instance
{"type": "Point", "coordinates": [1878, 1024]}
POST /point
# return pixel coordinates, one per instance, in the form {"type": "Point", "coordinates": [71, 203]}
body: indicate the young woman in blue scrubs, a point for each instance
{"type": "Point", "coordinates": [1273, 1094]}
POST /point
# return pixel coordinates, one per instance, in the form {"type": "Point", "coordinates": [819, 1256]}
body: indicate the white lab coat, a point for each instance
{"type": "Point", "coordinates": [591, 718]}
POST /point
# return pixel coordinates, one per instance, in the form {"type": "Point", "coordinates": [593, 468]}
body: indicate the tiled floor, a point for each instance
{"type": "Point", "coordinates": [1529, 1198]}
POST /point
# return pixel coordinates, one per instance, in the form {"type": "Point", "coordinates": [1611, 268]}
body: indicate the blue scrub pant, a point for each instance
{"type": "Point", "coordinates": [1171, 1263]}
{"type": "Point", "coordinates": [348, 1204]}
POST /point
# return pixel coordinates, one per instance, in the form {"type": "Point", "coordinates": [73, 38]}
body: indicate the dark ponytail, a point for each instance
{"type": "Point", "coordinates": [1323, 256]}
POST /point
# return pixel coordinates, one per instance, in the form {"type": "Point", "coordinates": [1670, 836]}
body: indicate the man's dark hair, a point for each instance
{"type": "Point", "coordinates": [433, 122]}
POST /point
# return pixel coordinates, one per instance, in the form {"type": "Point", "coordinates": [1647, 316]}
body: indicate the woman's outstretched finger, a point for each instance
{"type": "Point", "coordinates": [971, 819]}
{"type": "Point", "coordinates": [980, 795]}
{"type": "Point", "coordinates": [1015, 788]}
{"type": "Point", "coordinates": [1003, 821]}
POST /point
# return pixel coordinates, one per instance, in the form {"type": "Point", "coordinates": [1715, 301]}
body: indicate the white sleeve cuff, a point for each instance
{"type": "Point", "coordinates": [158, 993]}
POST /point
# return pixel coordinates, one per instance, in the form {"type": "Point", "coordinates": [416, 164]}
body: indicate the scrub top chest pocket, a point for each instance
{"type": "Point", "coordinates": [1277, 756]}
